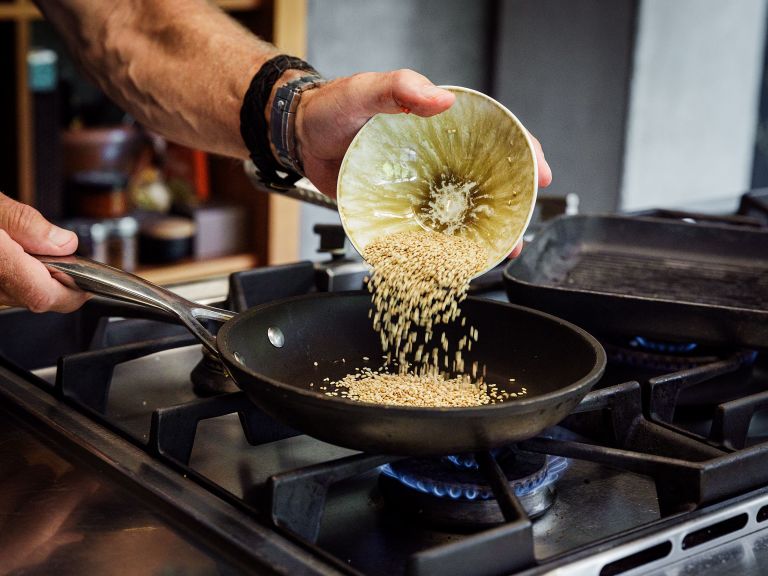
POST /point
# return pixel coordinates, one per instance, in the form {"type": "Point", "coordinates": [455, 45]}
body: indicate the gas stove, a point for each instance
{"type": "Point", "coordinates": [124, 448]}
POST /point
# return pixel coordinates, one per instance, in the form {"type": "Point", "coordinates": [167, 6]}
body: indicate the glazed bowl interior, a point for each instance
{"type": "Point", "coordinates": [469, 171]}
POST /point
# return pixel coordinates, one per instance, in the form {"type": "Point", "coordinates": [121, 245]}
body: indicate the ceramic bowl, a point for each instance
{"type": "Point", "coordinates": [469, 171]}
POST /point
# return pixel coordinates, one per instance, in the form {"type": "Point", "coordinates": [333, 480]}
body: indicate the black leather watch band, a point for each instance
{"type": "Point", "coordinates": [253, 122]}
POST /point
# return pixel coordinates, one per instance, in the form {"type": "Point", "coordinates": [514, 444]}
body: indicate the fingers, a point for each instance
{"type": "Point", "coordinates": [329, 117]}
{"type": "Point", "coordinates": [33, 232]}
{"type": "Point", "coordinates": [545, 172]}
{"type": "Point", "coordinates": [399, 91]}
{"type": "Point", "coordinates": [24, 281]}
{"type": "Point", "coordinates": [516, 250]}
{"type": "Point", "coordinates": [410, 92]}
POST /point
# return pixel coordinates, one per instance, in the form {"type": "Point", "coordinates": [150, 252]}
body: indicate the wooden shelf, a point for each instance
{"type": "Point", "coordinates": [19, 11]}
{"type": "Point", "coordinates": [279, 21]}
{"type": "Point", "coordinates": [238, 5]}
{"type": "Point", "coordinates": [193, 270]}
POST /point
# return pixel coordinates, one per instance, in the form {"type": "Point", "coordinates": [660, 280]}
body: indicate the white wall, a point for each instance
{"type": "Point", "coordinates": [563, 67]}
{"type": "Point", "coordinates": [693, 101]}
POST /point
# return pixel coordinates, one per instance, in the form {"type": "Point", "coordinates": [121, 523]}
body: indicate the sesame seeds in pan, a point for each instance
{"type": "Point", "coordinates": [420, 279]}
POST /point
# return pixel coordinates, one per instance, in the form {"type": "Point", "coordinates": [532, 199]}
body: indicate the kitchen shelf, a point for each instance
{"type": "Point", "coordinates": [274, 233]}
{"type": "Point", "coordinates": [194, 270]}
{"type": "Point", "coordinates": [19, 11]}
{"type": "Point", "coordinates": [238, 5]}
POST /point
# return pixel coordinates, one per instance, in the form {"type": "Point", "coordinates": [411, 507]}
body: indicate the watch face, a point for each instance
{"type": "Point", "coordinates": [283, 118]}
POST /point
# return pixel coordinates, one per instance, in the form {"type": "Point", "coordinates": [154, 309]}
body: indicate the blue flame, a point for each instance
{"type": "Point", "coordinates": [748, 357]}
{"type": "Point", "coordinates": [464, 461]}
{"type": "Point", "coordinates": [664, 347]}
{"type": "Point", "coordinates": [468, 460]}
{"type": "Point", "coordinates": [669, 356]}
{"type": "Point", "coordinates": [553, 469]}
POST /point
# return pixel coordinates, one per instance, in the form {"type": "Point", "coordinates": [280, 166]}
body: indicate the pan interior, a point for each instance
{"type": "Point", "coordinates": [326, 337]}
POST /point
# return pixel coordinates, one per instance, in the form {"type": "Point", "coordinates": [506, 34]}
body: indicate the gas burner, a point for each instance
{"type": "Point", "coordinates": [641, 343]}
{"type": "Point", "coordinates": [210, 378]}
{"type": "Point", "coordinates": [670, 356]}
{"type": "Point", "coordinates": [452, 493]}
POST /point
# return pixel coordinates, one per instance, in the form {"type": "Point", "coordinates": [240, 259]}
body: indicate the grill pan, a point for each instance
{"type": "Point", "coordinates": [656, 278]}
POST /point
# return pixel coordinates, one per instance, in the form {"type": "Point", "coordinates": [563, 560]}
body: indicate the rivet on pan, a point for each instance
{"type": "Point", "coordinates": [275, 336]}
{"type": "Point", "coordinates": [239, 358]}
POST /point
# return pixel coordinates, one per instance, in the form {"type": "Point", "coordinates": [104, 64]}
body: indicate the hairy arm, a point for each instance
{"type": "Point", "coordinates": [180, 67]}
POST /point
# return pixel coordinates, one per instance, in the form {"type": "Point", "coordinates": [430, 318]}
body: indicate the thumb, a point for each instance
{"type": "Point", "coordinates": [33, 232]}
{"type": "Point", "coordinates": [399, 91]}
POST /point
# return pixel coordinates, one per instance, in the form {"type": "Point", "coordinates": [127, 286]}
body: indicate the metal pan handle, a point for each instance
{"type": "Point", "coordinates": [105, 280]}
{"type": "Point", "coordinates": [306, 194]}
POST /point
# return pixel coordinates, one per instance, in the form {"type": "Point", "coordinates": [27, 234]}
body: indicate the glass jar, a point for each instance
{"type": "Point", "coordinates": [121, 243]}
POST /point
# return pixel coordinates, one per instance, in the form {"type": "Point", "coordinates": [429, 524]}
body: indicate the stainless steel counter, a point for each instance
{"type": "Point", "coordinates": [60, 516]}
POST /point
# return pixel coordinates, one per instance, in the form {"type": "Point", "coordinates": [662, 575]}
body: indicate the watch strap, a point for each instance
{"type": "Point", "coordinates": [283, 120]}
{"type": "Point", "coordinates": [253, 122]}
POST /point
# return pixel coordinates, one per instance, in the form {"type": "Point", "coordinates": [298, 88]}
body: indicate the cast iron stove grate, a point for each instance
{"type": "Point", "coordinates": [612, 426]}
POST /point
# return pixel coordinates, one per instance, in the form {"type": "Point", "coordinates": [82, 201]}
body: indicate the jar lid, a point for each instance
{"type": "Point", "coordinates": [125, 227]}
{"type": "Point", "coordinates": [95, 181]}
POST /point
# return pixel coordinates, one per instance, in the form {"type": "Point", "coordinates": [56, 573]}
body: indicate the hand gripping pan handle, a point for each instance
{"type": "Point", "coordinates": [107, 281]}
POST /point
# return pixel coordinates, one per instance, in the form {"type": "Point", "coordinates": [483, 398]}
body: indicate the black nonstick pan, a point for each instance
{"type": "Point", "coordinates": [661, 278]}
{"type": "Point", "coordinates": [281, 354]}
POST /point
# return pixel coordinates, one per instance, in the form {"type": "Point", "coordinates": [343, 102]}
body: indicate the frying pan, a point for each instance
{"type": "Point", "coordinates": [281, 354]}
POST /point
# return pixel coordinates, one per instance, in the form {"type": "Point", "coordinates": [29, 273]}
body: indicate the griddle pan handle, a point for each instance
{"type": "Point", "coordinates": [105, 280]}
{"type": "Point", "coordinates": [305, 194]}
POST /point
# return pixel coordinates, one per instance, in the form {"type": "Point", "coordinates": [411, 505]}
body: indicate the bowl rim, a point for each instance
{"type": "Point", "coordinates": [499, 106]}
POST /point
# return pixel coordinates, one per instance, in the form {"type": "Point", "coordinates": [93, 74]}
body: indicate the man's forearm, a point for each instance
{"type": "Point", "coordinates": [178, 66]}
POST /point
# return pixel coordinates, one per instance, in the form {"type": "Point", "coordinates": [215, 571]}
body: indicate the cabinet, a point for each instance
{"type": "Point", "coordinates": [281, 21]}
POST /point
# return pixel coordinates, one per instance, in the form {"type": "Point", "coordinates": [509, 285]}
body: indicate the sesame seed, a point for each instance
{"type": "Point", "coordinates": [420, 279]}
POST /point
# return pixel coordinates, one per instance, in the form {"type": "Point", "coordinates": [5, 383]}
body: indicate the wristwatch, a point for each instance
{"type": "Point", "coordinates": [282, 120]}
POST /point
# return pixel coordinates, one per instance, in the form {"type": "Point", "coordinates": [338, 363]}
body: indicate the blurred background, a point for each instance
{"type": "Point", "coordinates": [637, 103]}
